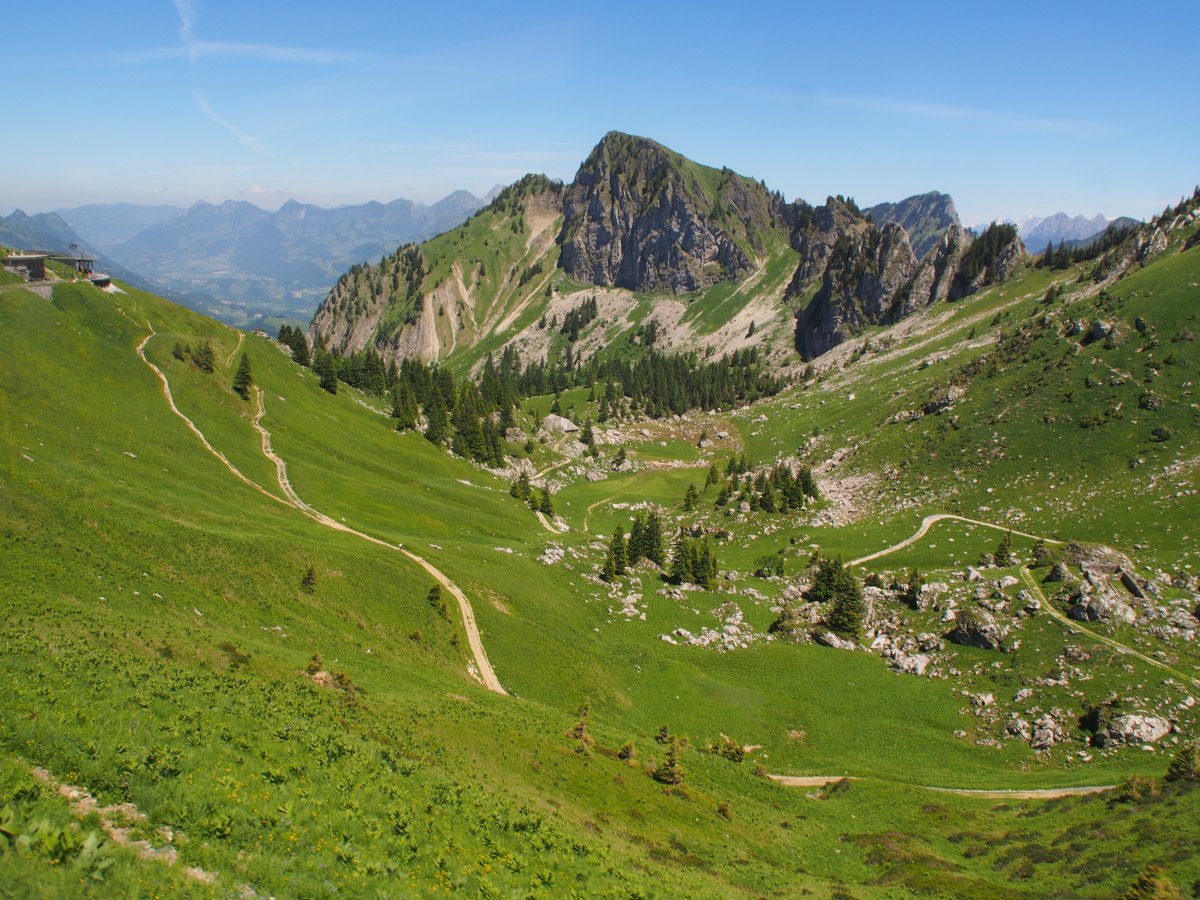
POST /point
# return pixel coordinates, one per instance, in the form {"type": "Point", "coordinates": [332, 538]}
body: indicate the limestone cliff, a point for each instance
{"type": "Point", "coordinates": [865, 270]}
{"type": "Point", "coordinates": [643, 217]}
{"type": "Point", "coordinates": [924, 217]}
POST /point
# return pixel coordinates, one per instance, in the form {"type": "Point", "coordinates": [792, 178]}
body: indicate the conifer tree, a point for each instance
{"type": "Point", "coordinates": [326, 369]}
{"type": "Point", "coordinates": [547, 505]}
{"type": "Point", "coordinates": [619, 550]}
{"type": "Point", "coordinates": [404, 406]}
{"type": "Point", "coordinates": [436, 421]}
{"type": "Point", "coordinates": [243, 379]}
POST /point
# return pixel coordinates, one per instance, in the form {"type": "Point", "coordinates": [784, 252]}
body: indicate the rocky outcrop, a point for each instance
{"type": "Point", "coordinates": [864, 271]}
{"type": "Point", "coordinates": [925, 218]}
{"type": "Point", "coordinates": [1132, 729]}
{"type": "Point", "coordinates": [935, 276]}
{"type": "Point", "coordinates": [815, 234]}
{"type": "Point", "coordinates": [976, 628]}
{"type": "Point", "coordinates": [642, 217]}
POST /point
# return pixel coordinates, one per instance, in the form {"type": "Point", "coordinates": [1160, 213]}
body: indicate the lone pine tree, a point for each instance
{"type": "Point", "coordinates": [243, 379]}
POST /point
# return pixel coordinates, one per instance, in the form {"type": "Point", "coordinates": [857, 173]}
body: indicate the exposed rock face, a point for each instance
{"type": "Point", "coordinates": [863, 273]}
{"type": "Point", "coordinates": [1097, 606]}
{"type": "Point", "coordinates": [925, 218]}
{"type": "Point", "coordinates": [642, 217]}
{"type": "Point", "coordinates": [934, 277]}
{"type": "Point", "coordinates": [815, 234]}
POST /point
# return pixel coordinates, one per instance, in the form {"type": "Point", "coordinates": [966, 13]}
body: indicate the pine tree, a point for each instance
{"type": "Point", "coordinates": [714, 476]}
{"type": "Point", "coordinates": [655, 551]}
{"type": "Point", "coordinates": [846, 616]}
{"type": "Point", "coordinates": [670, 772]}
{"type": "Point", "coordinates": [404, 406]}
{"type": "Point", "coordinates": [202, 356]}
{"type": "Point", "coordinates": [326, 369]}
{"type": "Point", "coordinates": [308, 583]}
{"type": "Point", "coordinates": [608, 572]}
{"type": "Point", "coordinates": [547, 505]}
{"type": "Point", "coordinates": [619, 550]}
{"type": "Point", "coordinates": [1004, 552]}
{"type": "Point", "coordinates": [243, 379]}
{"type": "Point", "coordinates": [436, 420]}
{"type": "Point", "coordinates": [690, 498]}
{"type": "Point", "coordinates": [521, 489]}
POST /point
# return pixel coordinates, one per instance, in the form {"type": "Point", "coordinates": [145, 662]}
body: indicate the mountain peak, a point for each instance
{"type": "Point", "coordinates": [641, 216]}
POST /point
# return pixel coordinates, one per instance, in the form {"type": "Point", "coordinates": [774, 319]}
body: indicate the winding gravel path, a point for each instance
{"type": "Point", "coordinates": [483, 667]}
{"type": "Point", "coordinates": [1002, 794]}
{"type": "Point", "coordinates": [929, 521]}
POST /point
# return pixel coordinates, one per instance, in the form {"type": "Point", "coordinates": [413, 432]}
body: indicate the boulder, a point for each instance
{"type": "Point", "coordinates": [911, 664]}
{"type": "Point", "coordinates": [1059, 572]}
{"type": "Point", "coordinates": [829, 639]}
{"type": "Point", "coordinates": [1134, 729]}
{"type": "Point", "coordinates": [1019, 728]}
{"type": "Point", "coordinates": [978, 629]}
{"type": "Point", "coordinates": [1046, 733]}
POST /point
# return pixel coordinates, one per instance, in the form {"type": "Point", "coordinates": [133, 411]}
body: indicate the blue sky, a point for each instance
{"type": "Point", "coordinates": [1015, 109]}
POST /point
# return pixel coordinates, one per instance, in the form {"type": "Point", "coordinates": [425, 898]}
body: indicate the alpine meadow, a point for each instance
{"type": "Point", "coordinates": [643, 533]}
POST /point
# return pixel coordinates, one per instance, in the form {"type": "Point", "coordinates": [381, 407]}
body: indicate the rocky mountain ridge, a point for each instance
{"type": "Point", "coordinates": [657, 235]}
{"type": "Point", "coordinates": [640, 216]}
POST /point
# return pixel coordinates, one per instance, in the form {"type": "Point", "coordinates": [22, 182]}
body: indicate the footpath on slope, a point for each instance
{"type": "Point", "coordinates": [487, 675]}
{"type": "Point", "coordinates": [483, 666]}
{"type": "Point", "coordinates": [1031, 583]}
{"type": "Point", "coordinates": [1000, 794]}
{"type": "Point", "coordinates": [929, 521]}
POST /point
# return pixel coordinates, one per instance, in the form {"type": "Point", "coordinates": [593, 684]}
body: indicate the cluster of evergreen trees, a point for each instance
{"type": "Point", "coordinates": [579, 318]}
{"type": "Point", "coordinates": [778, 490]}
{"type": "Point", "coordinates": [645, 541]}
{"type": "Point", "coordinates": [201, 356]}
{"type": "Point", "coordinates": [1063, 256]}
{"type": "Point", "coordinates": [835, 585]}
{"type": "Point", "coordinates": [658, 383]}
{"type": "Point", "coordinates": [693, 561]}
{"type": "Point", "coordinates": [984, 250]}
{"type": "Point", "coordinates": [294, 340]}
{"type": "Point", "coordinates": [522, 490]}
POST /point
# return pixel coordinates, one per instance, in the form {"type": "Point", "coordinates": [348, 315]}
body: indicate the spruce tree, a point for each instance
{"type": "Point", "coordinates": [655, 551]}
{"type": "Point", "coordinates": [326, 369]}
{"type": "Point", "coordinates": [243, 379]}
{"type": "Point", "coordinates": [547, 505]}
{"type": "Point", "coordinates": [619, 550]}
{"type": "Point", "coordinates": [404, 406]}
{"type": "Point", "coordinates": [437, 422]}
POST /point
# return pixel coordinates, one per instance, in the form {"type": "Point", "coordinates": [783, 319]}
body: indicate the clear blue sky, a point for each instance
{"type": "Point", "coordinates": [1014, 109]}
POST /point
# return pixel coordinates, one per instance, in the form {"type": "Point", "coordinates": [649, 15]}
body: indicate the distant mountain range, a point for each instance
{"type": "Point", "coordinates": [1037, 232]}
{"type": "Point", "coordinates": [1069, 230]}
{"type": "Point", "coordinates": [245, 264]}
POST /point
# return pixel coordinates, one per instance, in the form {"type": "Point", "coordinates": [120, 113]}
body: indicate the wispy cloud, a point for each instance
{"type": "Point", "coordinates": [241, 136]}
{"type": "Point", "coordinates": [982, 117]}
{"type": "Point", "coordinates": [192, 48]}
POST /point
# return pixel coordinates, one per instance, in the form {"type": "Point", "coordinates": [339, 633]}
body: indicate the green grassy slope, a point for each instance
{"type": "Point", "coordinates": [156, 640]}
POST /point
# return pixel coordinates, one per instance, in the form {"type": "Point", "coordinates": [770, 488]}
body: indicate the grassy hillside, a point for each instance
{"type": "Point", "coordinates": [159, 645]}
